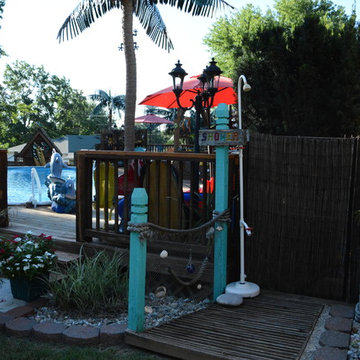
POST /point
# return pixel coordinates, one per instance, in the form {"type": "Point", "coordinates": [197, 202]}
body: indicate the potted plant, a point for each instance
{"type": "Point", "coordinates": [26, 260]}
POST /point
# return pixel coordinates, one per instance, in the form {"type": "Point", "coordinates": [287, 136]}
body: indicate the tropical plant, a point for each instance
{"type": "Point", "coordinates": [149, 17]}
{"type": "Point", "coordinates": [26, 256]}
{"type": "Point", "coordinates": [111, 103]}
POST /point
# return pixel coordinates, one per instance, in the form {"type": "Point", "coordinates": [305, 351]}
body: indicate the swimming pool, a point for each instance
{"type": "Point", "coordinates": [20, 187]}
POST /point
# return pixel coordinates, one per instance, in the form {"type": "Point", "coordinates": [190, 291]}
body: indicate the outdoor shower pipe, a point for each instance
{"type": "Point", "coordinates": [246, 88]}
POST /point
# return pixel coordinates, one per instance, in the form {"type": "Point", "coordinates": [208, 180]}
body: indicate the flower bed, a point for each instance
{"type": "Point", "coordinates": [27, 256]}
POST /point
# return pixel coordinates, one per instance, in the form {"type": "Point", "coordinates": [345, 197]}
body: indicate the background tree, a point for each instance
{"type": "Point", "coordinates": [31, 97]}
{"type": "Point", "coordinates": [149, 17]}
{"type": "Point", "coordinates": [2, 4]}
{"type": "Point", "coordinates": [111, 103]}
{"type": "Point", "coordinates": [302, 62]}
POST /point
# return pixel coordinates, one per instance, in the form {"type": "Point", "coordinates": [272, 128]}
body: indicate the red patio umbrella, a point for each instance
{"type": "Point", "coordinates": [167, 99]}
{"type": "Point", "coordinates": [152, 119]}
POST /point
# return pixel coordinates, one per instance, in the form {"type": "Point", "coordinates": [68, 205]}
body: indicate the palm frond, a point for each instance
{"type": "Point", "coordinates": [100, 95]}
{"type": "Point", "coordinates": [119, 102]}
{"type": "Point", "coordinates": [151, 20]}
{"type": "Point", "coordinates": [98, 108]}
{"type": "Point", "coordinates": [84, 15]}
{"type": "Point", "coordinates": [196, 7]}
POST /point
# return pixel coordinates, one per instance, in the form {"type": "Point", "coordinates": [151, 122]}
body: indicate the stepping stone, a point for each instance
{"type": "Point", "coordinates": [112, 334]}
{"type": "Point", "coordinates": [20, 326]}
{"type": "Point", "coordinates": [39, 303]}
{"type": "Point", "coordinates": [229, 299]}
{"type": "Point", "coordinates": [339, 324]}
{"type": "Point", "coordinates": [81, 335]}
{"type": "Point", "coordinates": [20, 311]}
{"type": "Point", "coordinates": [4, 319]}
{"type": "Point", "coordinates": [334, 339]}
{"type": "Point", "coordinates": [344, 311]}
{"type": "Point", "coordinates": [49, 331]}
{"type": "Point", "coordinates": [329, 353]}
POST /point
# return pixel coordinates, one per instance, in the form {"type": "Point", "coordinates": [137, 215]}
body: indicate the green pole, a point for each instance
{"type": "Point", "coordinates": [137, 263]}
{"type": "Point", "coordinates": [221, 204]}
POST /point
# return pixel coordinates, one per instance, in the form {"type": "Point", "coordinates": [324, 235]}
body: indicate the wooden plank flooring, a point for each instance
{"type": "Point", "coordinates": [269, 327]}
{"type": "Point", "coordinates": [42, 220]}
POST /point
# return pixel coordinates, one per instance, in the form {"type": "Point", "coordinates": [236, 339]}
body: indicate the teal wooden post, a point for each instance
{"type": "Point", "coordinates": [221, 204]}
{"type": "Point", "coordinates": [137, 263]}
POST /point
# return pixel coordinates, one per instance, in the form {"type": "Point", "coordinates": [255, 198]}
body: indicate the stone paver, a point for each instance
{"type": "Point", "coordinates": [38, 303]}
{"type": "Point", "coordinates": [49, 331]}
{"type": "Point", "coordinates": [229, 299]}
{"type": "Point", "coordinates": [81, 335]}
{"type": "Point", "coordinates": [20, 326]}
{"type": "Point", "coordinates": [112, 334]}
{"type": "Point", "coordinates": [4, 319]}
{"type": "Point", "coordinates": [343, 311]}
{"type": "Point", "coordinates": [335, 339]}
{"type": "Point", "coordinates": [20, 311]}
{"type": "Point", "coordinates": [329, 353]}
{"type": "Point", "coordinates": [339, 324]}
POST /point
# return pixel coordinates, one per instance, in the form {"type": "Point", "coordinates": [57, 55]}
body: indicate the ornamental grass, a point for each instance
{"type": "Point", "coordinates": [90, 284]}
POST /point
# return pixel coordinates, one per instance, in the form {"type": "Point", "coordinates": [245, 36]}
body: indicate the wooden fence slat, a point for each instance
{"type": "Point", "coordinates": [4, 218]}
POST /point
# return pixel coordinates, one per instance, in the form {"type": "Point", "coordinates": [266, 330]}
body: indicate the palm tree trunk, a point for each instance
{"type": "Point", "coordinates": [110, 116]}
{"type": "Point", "coordinates": [130, 63]}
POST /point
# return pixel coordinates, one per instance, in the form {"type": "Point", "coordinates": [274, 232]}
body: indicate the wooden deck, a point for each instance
{"type": "Point", "coordinates": [269, 327]}
{"type": "Point", "coordinates": [41, 220]}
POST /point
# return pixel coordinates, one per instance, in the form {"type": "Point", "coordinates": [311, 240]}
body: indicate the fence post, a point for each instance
{"type": "Point", "coordinates": [4, 218]}
{"type": "Point", "coordinates": [137, 262]}
{"type": "Point", "coordinates": [221, 204]}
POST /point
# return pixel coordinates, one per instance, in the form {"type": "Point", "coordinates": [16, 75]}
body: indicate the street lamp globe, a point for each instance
{"type": "Point", "coordinates": [213, 73]}
{"type": "Point", "coordinates": [178, 74]}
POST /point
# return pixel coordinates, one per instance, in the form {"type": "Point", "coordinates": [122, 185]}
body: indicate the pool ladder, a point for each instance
{"type": "Point", "coordinates": [35, 179]}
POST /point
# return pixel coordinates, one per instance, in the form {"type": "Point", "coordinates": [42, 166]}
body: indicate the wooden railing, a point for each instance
{"type": "Point", "coordinates": [170, 148]}
{"type": "Point", "coordinates": [4, 219]}
{"type": "Point", "coordinates": [105, 180]}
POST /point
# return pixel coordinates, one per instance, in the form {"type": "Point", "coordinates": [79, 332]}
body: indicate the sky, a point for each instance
{"type": "Point", "coordinates": [92, 60]}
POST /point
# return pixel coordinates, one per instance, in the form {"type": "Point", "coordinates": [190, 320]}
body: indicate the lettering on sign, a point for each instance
{"type": "Point", "coordinates": [223, 137]}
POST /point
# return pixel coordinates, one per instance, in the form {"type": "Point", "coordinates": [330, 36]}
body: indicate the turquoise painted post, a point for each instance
{"type": "Point", "coordinates": [221, 204]}
{"type": "Point", "coordinates": [137, 263]}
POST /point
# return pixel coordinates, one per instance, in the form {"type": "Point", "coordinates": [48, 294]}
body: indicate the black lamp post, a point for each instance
{"type": "Point", "coordinates": [204, 98]}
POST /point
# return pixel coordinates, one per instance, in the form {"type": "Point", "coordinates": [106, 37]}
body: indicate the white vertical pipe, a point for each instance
{"type": "Point", "coordinates": [241, 191]}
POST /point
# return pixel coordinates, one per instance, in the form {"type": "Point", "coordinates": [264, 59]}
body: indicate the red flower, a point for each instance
{"type": "Point", "coordinates": [2, 251]}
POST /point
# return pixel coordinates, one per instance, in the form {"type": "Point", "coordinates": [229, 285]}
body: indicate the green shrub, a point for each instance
{"type": "Point", "coordinates": [98, 283]}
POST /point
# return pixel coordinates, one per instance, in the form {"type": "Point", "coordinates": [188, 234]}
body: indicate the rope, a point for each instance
{"type": "Point", "coordinates": [146, 230]}
{"type": "Point", "coordinates": [195, 279]}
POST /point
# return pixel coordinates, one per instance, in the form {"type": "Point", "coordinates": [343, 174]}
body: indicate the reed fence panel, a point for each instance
{"type": "Point", "coordinates": [299, 197]}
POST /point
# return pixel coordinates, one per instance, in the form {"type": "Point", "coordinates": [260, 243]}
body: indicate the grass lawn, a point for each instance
{"type": "Point", "coordinates": [12, 348]}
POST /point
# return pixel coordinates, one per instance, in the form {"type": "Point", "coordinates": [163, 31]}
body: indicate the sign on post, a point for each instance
{"type": "Point", "coordinates": [231, 137]}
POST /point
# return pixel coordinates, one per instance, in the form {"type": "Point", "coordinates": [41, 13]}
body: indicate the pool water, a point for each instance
{"type": "Point", "coordinates": [19, 183]}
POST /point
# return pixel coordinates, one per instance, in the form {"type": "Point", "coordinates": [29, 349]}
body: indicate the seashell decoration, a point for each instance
{"type": "Point", "coordinates": [148, 309]}
{"type": "Point", "coordinates": [160, 291]}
